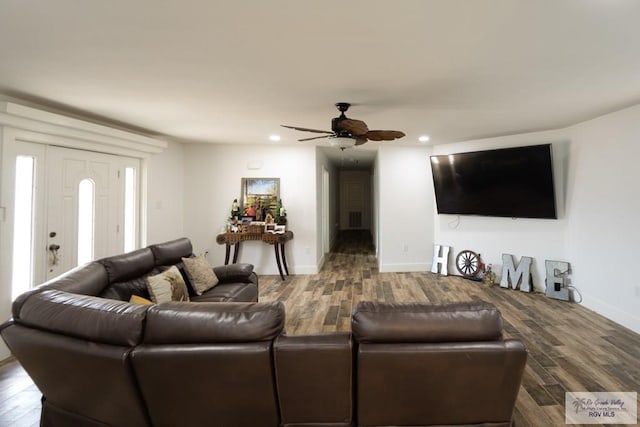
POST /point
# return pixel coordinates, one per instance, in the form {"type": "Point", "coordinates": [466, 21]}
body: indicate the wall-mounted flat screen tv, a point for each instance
{"type": "Point", "coordinates": [509, 182]}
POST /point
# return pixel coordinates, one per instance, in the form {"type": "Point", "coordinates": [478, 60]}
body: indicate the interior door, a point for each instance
{"type": "Point", "coordinates": [326, 220]}
{"type": "Point", "coordinates": [355, 200]}
{"type": "Point", "coordinates": [355, 204]}
{"type": "Point", "coordinates": [83, 208]}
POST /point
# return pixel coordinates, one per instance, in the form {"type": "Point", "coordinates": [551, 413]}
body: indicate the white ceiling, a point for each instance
{"type": "Point", "coordinates": [232, 72]}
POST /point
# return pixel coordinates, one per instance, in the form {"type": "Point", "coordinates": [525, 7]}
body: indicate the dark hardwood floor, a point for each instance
{"type": "Point", "coordinates": [570, 347]}
{"type": "Point", "coordinates": [19, 397]}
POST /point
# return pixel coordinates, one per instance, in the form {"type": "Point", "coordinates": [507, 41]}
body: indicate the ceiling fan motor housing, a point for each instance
{"type": "Point", "coordinates": [335, 128]}
{"type": "Point", "coordinates": [342, 107]}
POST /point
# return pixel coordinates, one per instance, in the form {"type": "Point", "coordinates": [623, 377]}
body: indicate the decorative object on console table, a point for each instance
{"type": "Point", "coordinates": [281, 214]}
{"type": "Point", "coordinates": [235, 209]}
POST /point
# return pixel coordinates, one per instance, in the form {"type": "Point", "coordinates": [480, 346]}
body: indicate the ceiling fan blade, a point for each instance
{"type": "Point", "coordinates": [361, 140]}
{"type": "Point", "coordinates": [384, 135]}
{"type": "Point", "coordinates": [354, 127]}
{"type": "Point", "coordinates": [307, 129]}
{"type": "Point", "coordinates": [314, 137]}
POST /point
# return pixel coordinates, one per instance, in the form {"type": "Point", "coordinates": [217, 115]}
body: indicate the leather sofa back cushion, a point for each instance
{"type": "Point", "coordinates": [122, 291]}
{"type": "Point", "coordinates": [386, 323]}
{"type": "Point", "coordinates": [121, 268]}
{"type": "Point", "coordinates": [195, 323]}
{"type": "Point", "coordinates": [172, 252]}
{"type": "Point", "coordinates": [85, 317]}
{"type": "Point", "coordinates": [88, 279]}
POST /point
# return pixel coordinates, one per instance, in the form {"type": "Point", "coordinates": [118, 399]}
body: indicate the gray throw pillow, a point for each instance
{"type": "Point", "coordinates": [200, 274]}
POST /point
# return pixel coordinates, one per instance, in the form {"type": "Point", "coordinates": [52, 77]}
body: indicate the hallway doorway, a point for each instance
{"type": "Point", "coordinates": [354, 242]}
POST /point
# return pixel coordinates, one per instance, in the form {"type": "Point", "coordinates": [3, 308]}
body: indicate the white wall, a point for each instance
{"type": "Point", "coordinates": [165, 200]}
{"type": "Point", "coordinates": [596, 173]}
{"type": "Point", "coordinates": [323, 162]}
{"type": "Point", "coordinates": [375, 212]}
{"type": "Point", "coordinates": [603, 210]}
{"type": "Point", "coordinates": [490, 236]}
{"type": "Point", "coordinates": [5, 286]}
{"type": "Point", "coordinates": [212, 180]}
{"type": "Point", "coordinates": [405, 208]}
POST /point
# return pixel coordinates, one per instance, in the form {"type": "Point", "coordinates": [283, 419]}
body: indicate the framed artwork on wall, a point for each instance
{"type": "Point", "coordinates": [259, 196]}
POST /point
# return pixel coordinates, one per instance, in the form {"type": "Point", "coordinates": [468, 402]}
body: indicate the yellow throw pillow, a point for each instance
{"type": "Point", "coordinates": [135, 299]}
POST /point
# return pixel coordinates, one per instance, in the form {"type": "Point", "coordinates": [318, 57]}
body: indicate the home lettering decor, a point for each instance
{"type": "Point", "coordinates": [512, 275]}
{"type": "Point", "coordinates": [439, 260]}
{"type": "Point", "coordinates": [557, 280]}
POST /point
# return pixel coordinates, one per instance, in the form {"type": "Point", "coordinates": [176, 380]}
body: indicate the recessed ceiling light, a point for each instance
{"type": "Point", "coordinates": [274, 137]}
{"type": "Point", "coordinates": [423, 138]}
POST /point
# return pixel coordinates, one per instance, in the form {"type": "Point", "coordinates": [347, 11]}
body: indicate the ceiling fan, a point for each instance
{"type": "Point", "coordinates": [346, 132]}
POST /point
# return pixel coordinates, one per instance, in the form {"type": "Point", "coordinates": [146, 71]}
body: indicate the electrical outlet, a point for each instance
{"type": "Point", "coordinates": [307, 250]}
{"type": "Point", "coordinates": [406, 248]}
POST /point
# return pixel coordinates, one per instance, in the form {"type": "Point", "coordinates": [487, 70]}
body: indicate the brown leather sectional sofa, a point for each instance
{"type": "Point", "coordinates": [101, 361]}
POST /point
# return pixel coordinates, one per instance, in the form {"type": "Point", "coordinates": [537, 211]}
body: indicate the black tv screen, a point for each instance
{"type": "Point", "coordinates": [509, 182]}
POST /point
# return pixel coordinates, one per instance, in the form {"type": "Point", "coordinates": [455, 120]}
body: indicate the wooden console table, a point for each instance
{"type": "Point", "coordinates": [277, 240]}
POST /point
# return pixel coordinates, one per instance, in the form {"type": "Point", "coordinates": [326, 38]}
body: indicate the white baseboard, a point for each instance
{"type": "Point", "coordinates": [303, 269]}
{"type": "Point", "coordinates": [607, 310]}
{"type": "Point", "coordinates": [293, 269]}
{"type": "Point", "coordinates": [404, 268]}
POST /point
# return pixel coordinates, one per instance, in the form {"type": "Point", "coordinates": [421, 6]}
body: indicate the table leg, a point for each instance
{"type": "Point", "coordinates": [284, 258]}
{"type": "Point", "coordinates": [275, 246]}
{"type": "Point", "coordinates": [226, 254]}
{"type": "Point", "coordinates": [235, 252]}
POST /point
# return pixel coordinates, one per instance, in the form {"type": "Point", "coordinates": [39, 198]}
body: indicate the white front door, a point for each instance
{"type": "Point", "coordinates": [83, 215]}
{"type": "Point", "coordinates": [65, 207]}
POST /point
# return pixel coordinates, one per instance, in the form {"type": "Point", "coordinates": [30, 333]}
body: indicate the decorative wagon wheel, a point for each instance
{"type": "Point", "coordinates": [468, 263]}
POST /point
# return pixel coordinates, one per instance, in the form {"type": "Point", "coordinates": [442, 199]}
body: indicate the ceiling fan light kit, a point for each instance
{"type": "Point", "coordinates": [346, 132]}
{"type": "Point", "coordinates": [342, 142]}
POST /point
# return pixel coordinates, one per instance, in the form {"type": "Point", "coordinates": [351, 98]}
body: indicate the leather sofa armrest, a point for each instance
{"type": "Point", "coordinates": [240, 272]}
{"type": "Point", "coordinates": [6, 324]}
{"type": "Point", "coordinates": [314, 379]}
